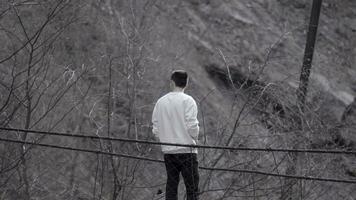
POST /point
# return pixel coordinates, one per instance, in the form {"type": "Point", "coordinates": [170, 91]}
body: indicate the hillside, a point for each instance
{"type": "Point", "coordinates": [96, 68]}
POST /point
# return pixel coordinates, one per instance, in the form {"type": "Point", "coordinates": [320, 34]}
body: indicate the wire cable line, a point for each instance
{"type": "Point", "coordinates": [161, 161]}
{"type": "Point", "coordinates": [318, 151]}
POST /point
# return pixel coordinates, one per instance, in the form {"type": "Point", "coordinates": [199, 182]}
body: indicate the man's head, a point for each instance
{"type": "Point", "coordinates": [180, 78]}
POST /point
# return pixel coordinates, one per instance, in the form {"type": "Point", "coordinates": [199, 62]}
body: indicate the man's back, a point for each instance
{"type": "Point", "coordinates": [175, 121]}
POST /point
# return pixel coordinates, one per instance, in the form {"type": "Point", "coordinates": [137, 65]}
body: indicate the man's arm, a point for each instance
{"type": "Point", "coordinates": [155, 122]}
{"type": "Point", "coordinates": [191, 119]}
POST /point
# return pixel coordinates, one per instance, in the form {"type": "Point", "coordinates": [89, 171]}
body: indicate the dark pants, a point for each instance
{"type": "Point", "coordinates": [187, 164]}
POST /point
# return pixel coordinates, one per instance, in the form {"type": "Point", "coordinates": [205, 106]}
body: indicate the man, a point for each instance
{"type": "Point", "coordinates": [175, 120]}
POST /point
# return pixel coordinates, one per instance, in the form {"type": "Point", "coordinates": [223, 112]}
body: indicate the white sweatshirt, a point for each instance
{"type": "Point", "coordinates": [175, 120]}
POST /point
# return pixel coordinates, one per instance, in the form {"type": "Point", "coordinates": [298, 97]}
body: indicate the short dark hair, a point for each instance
{"type": "Point", "coordinates": [180, 78]}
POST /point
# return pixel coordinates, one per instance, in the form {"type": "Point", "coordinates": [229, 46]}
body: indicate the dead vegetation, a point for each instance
{"type": "Point", "coordinates": [97, 67]}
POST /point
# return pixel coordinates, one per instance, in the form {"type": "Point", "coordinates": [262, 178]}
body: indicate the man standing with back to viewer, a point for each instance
{"type": "Point", "coordinates": [175, 120]}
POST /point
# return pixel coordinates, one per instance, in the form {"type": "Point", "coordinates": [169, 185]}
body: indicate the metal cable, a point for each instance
{"type": "Point", "coordinates": [160, 161]}
{"type": "Point", "coordinates": [318, 151]}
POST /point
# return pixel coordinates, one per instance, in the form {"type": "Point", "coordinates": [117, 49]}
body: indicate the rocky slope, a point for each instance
{"type": "Point", "coordinates": [244, 58]}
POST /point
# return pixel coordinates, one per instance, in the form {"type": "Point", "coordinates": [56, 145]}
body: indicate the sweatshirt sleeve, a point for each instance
{"type": "Point", "coordinates": [191, 119]}
{"type": "Point", "coordinates": [155, 122]}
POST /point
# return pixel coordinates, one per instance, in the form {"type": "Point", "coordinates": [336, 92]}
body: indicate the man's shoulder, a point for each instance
{"type": "Point", "coordinates": [163, 97]}
{"type": "Point", "coordinates": [189, 99]}
{"type": "Point", "coordinates": [186, 97]}
{"type": "Point", "coordinates": [182, 97]}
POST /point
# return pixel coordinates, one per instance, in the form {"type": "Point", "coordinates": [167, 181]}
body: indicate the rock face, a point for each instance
{"type": "Point", "coordinates": [243, 58]}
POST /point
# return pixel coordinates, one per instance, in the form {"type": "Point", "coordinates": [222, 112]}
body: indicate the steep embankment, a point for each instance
{"type": "Point", "coordinates": [244, 59]}
{"type": "Point", "coordinates": [262, 42]}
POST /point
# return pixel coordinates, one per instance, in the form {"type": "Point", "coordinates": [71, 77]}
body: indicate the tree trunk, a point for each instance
{"type": "Point", "coordinates": [308, 53]}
